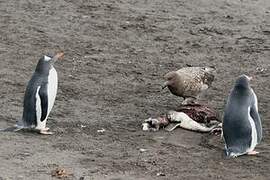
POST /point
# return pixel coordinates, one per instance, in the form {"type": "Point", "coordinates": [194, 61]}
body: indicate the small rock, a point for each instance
{"type": "Point", "coordinates": [101, 130]}
{"type": "Point", "coordinates": [260, 69]}
{"type": "Point", "coordinates": [160, 174]}
{"type": "Point", "coordinates": [145, 126]}
{"type": "Point", "coordinates": [143, 150]}
{"type": "Point", "coordinates": [60, 173]}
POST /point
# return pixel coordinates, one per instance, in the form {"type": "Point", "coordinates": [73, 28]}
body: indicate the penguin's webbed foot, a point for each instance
{"type": "Point", "coordinates": [253, 153]}
{"type": "Point", "coordinates": [45, 131]}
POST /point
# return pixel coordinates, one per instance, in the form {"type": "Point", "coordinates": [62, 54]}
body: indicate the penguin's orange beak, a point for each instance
{"type": "Point", "coordinates": [60, 55]}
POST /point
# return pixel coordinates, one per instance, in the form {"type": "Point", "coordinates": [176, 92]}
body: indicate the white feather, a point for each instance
{"type": "Point", "coordinates": [52, 90]}
{"type": "Point", "coordinates": [253, 132]}
{"type": "Point", "coordinates": [47, 58]}
{"type": "Point", "coordinates": [255, 99]}
{"type": "Point", "coordinates": [40, 124]}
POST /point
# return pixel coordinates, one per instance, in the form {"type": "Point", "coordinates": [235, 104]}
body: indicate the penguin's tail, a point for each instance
{"type": "Point", "coordinates": [233, 152]}
{"type": "Point", "coordinates": [11, 129]}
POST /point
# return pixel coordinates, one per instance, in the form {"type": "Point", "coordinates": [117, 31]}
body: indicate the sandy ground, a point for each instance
{"type": "Point", "coordinates": [116, 53]}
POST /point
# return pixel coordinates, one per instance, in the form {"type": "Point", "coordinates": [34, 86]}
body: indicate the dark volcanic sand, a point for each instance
{"type": "Point", "coordinates": [116, 53]}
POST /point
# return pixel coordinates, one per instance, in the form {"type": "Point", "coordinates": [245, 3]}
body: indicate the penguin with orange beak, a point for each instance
{"type": "Point", "coordinates": [40, 95]}
{"type": "Point", "coordinates": [242, 129]}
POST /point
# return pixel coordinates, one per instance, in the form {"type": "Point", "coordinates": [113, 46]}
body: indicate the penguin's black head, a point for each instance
{"type": "Point", "coordinates": [242, 82]}
{"type": "Point", "coordinates": [46, 62]}
{"type": "Point", "coordinates": [44, 65]}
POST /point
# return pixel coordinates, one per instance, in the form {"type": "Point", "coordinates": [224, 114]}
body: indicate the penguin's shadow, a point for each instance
{"type": "Point", "coordinates": [211, 141]}
{"type": "Point", "coordinates": [30, 132]}
{"type": "Point", "coordinates": [214, 142]}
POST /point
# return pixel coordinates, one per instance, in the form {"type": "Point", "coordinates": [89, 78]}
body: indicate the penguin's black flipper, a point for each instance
{"type": "Point", "coordinates": [43, 94]}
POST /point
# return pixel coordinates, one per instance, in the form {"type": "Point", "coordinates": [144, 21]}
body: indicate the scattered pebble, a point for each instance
{"type": "Point", "coordinates": [160, 174]}
{"type": "Point", "coordinates": [145, 126]}
{"type": "Point", "coordinates": [143, 150]}
{"type": "Point", "coordinates": [101, 130]}
{"type": "Point", "coordinates": [228, 17]}
{"type": "Point", "coordinates": [260, 69]}
{"type": "Point", "coordinates": [87, 56]}
{"type": "Point", "coordinates": [60, 173]}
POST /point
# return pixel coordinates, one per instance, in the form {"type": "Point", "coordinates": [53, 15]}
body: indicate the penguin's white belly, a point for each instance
{"type": "Point", "coordinates": [38, 110]}
{"type": "Point", "coordinates": [253, 133]}
{"type": "Point", "coordinates": [51, 90]}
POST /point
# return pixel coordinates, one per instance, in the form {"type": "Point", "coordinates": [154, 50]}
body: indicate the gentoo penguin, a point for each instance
{"type": "Point", "coordinates": [189, 82]}
{"type": "Point", "coordinates": [242, 129]}
{"type": "Point", "coordinates": [40, 95]}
